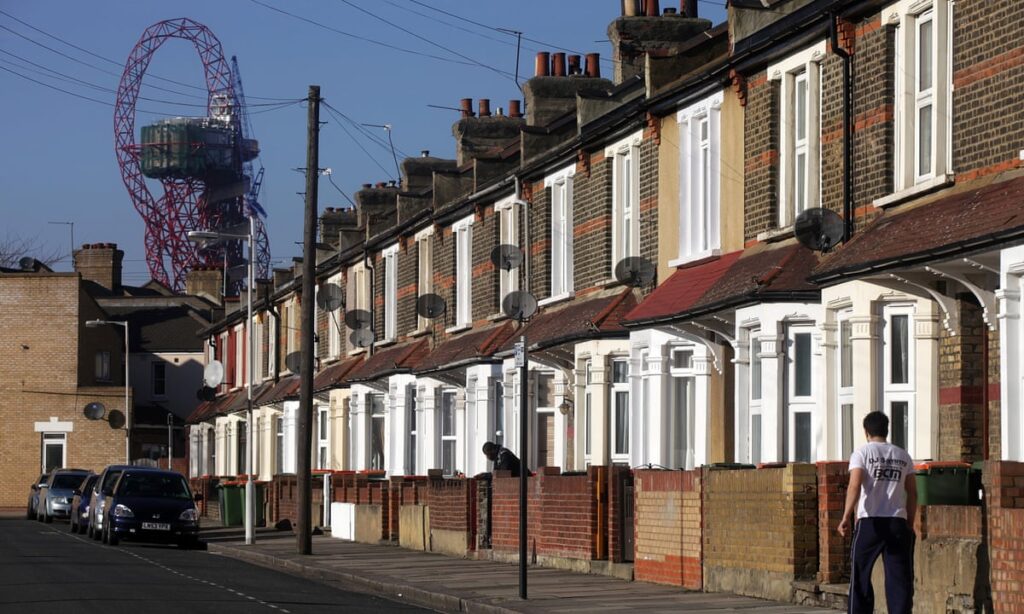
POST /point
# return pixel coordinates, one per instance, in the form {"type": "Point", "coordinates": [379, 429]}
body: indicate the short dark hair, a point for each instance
{"type": "Point", "coordinates": [489, 447]}
{"type": "Point", "coordinates": [876, 424]}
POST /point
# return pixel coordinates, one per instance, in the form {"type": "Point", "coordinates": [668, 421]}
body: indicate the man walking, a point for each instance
{"type": "Point", "coordinates": [502, 458]}
{"type": "Point", "coordinates": [883, 493]}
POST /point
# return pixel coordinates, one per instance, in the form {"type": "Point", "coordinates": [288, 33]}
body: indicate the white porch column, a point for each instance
{"type": "Point", "coordinates": [702, 366]}
{"type": "Point", "coordinates": [561, 421]}
{"type": "Point", "coordinates": [579, 409]}
{"type": "Point", "coordinates": [600, 428]}
{"type": "Point", "coordinates": [359, 429]}
{"type": "Point", "coordinates": [772, 354]}
{"type": "Point", "coordinates": [394, 427]}
{"type": "Point", "coordinates": [924, 427]}
{"type": "Point", "coordinates": [1011, 425]}
{"type": "Point", "coordinates": [427, 433]}
{"type": "Point", "coordinates": [655, 410]}
{"type": "Point", "coordinates": [480, 421]}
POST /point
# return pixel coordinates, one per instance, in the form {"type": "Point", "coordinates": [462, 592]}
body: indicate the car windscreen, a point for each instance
{"type": "Point", "coordinates": [69, 481]}
{"type": "Point", "coordinates": [109, 479]}
{"type": "Point", "coordinates": [153, 485]}
{"type": "Point", "coordinates": [89, 483]}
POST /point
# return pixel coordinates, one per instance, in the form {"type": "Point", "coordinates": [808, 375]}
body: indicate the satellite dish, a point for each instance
{"type": "Point", "coordinates": [519, 305]}
{"type": "Point", "coordinates": [362, 337]}
{"type": "Point", "coordinates": [293, 361]}
{"type": "Point", "coordinates": [329, 297]}
{"type": "Point", "coordinates": [213, 374]}
{"type": "Point", "coordinates": [94, 410]}
{"type": "Point", "coordinates": [506, 257]}
{"type": "Point", "coordinates": [116, 419]}
{"type": "Point", "coordinates": [357, 318]}
{"type": "Point", "coordinates": [205, 393]}
{"type": "Point", "coordinates": [430, 306]}
{"type": "Point", "coordinates": [818, 229]}
{"type": "Point", "coordinates": [27, 263]}
{"type": "Point", "coordinates": [635, 271]}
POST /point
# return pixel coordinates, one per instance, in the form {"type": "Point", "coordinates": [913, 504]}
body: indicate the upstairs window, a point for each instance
{"type": "Point", "coordinates": [463, 232]}
{"type": "Point", "coordinates": [102, 366]}
{"type": "Point", "coordinates": [358, 292]}
{"type": "Point", "coordinates": [335, 326]}
{"type": "Point", "coordinates": [699, 170]}
{"type": "Point", "coordinates": [560, 185]}
{"type": "Point", "coordinates": [508, 229]}
{"type": "Point", "coordinates": [625, 198]}
{"type": "Point", "coordinates": [391, 293]}
{"type": "Point", "coordinates": [159, 379]}
{"type": "Point", "coordinates": [799, 132]}
{"type": "Point", "coordinates": [424, 270]}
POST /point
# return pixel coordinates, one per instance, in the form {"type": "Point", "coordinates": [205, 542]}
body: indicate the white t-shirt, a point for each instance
{"type": "Point", "coordinates": [883, 492]}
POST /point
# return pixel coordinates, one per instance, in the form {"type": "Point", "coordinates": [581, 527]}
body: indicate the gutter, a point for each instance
{"type": "Point", "coordinates": [795, 296]}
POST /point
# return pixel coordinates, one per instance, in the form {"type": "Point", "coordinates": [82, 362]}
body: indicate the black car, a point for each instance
{"type": "Point", "coordinates": [151, 505]}
{"type": "Point", "coordinates": [80, 504]}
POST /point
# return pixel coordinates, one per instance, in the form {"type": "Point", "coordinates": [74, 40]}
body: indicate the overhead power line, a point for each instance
{"type": "Point", "coordinates": [332, 111]}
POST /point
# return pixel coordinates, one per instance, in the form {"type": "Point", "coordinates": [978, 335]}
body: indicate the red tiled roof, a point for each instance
{"type": "Point", "coordinates": [466, 347]}
{"type": "Point", "coordinates": [390, 360]}
{"type": "Point", "coordinates": [209, 409]}
{"type": "Point", "coordinates": [334, 375]}
{"type": "Point", "coordinates": [578, 319]}
{"type": "Point", "coordinates": [763, 272]}
{"type": "Point", "coordinates": [955, 224]}
{"type": "Point", "coordinates": [284, 388]}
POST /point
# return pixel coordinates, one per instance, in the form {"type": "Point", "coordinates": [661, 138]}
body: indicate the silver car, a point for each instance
{"type": "Point", "coordinates": [104, 487]}
{"type": "Point", "coordinates": [55, 499]}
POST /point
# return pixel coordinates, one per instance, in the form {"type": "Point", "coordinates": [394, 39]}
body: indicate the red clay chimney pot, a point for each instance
{"type": "Point", "coordinates": [542, 64]}
{"type": "Point", "coordinates": [593, 65]}
{"type": "Point", "coordinates": [513, 109]}
{"type": "Point", "coordinates": [651, 8]}
{"type": "Point", "coordinates": [558, 64]}
{"type": "Point", "coordinates": [485, 107]}
{"type": "Point", "coordinates": [466, 105]}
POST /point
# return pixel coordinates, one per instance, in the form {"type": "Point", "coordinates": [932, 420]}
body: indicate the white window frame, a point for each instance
{"type": "Point", "coordinates": [507, 210]}
{"type": "Point", "coordinates": [424, 270]}
{"type": "Point", "coordinates": [272, 332]}
{"type": "Point", "coordinates": [615, 389]}
{"type": "Point", "coordinates": [797, 403]}
{"type": "Point", "coordinates": [239, 351]}
{"type": "Point", "coordinates": [755, 395]}
{"type": "Point", "coordinates": [323, 444]}
{"type": "Point", "coordinates": [102, 366]}
{"type": "Point", "coordinates": [498, 418]}
{"type": "Point", "coordinates": [462, 232]}
{"type": "Point", "coordinates": [412, 424]}
{"type": "Point", "coordinates": [53, 438]}
{"type": "Point", "coordinates": [800, 68]}
{"type": "Point", "coordinates": [335, 329]}
{"type": "Point", "coordinates": [906, 16]}
{"type": "Point", "coordinates": [390, 258]}
{"type": "Point", "coordinates": [844, 393]}
{"type": "Point", "coordinates": [699, 184]}
{"type": "Point", "coordinates": [359, 293]}
{"type": "Point", "coordinates": [445, 439]}
{"type": "Point", "coordinates": [688, 419]}
{"type": "Point", "coordinates": [588, 410]}
{"type": "Point", "coordinates": [905, 391]}
{"type": "Point", "coordinates": [280, 444]}
{"type": "Point", "coordinates": [561, 186]}
{"type": "Point", "coordinates": [625, 155]}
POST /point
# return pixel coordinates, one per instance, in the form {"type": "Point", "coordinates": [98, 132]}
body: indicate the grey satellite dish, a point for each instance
{"type": "Point", "coordinates": [205, 393]}
{"type": "Point", "coordinates": [293, 361]}
{"type": "Point", "coordinates": [329, 297]}
{"type": "Point", "coordinates": [635, 271]}
{"type": "Point", "coordinates": [362, 337]}
{"type": "Point", "coordinates": [430, 306]}
{"type": "Point", "coordinates": [95, 410]}
{"type": "Point", "coordinates": [506, 257]}
{"type": "Point", "coordinates": [519, 305]}
{"type": "Point", "coordinates": [818, 229]}
{"type": "Point", "coordinates": [27, 263]}
{"type": "Point", "coordinates": [116, 419]}
{"type": "Point", "coordinates": [357, 319]}
{"type": "Point", "coordinates": [213, 374]}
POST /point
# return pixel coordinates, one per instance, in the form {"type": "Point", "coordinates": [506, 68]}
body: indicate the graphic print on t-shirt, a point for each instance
{"type": "Point", "coordinates": [886, 468]}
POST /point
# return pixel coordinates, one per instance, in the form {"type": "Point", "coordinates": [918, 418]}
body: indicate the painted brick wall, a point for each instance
{"type": "Point", "coordinates": [833, 548]}
{"type": "Point", "coordinates": [761, 156]}
{"type": "Point", "coordinates": [668, 528]}
{"type": "Point", "coordinates": [760, 530]}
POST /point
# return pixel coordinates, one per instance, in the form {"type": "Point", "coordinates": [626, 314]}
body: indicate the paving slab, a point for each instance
{"type": "Point", "coordinates": [448, 584]}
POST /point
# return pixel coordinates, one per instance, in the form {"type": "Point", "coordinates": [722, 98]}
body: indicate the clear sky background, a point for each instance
{"type": "Point", "coordinates": [57, 163]}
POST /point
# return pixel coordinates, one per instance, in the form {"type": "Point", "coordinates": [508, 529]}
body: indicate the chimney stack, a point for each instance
{"type": "Point", "coordinates": [466, 105]}
{"type": "Point", "coordinates": [485, 107]}
{"type": "Point", "coordinates": [689, 8]}
{"type": "Point", "coordinates": [100, 263]}
{"type": "Point", "coordinates": [558, 64]}
{"type": "Point", "coordinates": [593, 65]}
{"type": "Point", "coordinates": [542, 64]}
{"type": "Point", "coordinates": [205, 282]}
{"type": "Point", "coordinates": [514, 110]}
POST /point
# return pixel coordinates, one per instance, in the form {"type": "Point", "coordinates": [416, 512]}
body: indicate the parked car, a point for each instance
{"type": "Point", "coordinates": [103, 487]}
{"type": "Point", "coordinates": [33, 495]}
{"type": "Point", "coordinates": [80, 504]}
{"type": "Point", "coordinates": [151, 505]}
{"type": "Point", "coordinates": [55, 501]}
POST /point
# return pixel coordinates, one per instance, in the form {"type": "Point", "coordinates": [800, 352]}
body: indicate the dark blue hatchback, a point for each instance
{"type": "Point", "coordinates": [151, 505]}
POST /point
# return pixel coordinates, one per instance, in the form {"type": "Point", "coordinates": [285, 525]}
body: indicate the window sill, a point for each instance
{"type": "Point", "coordinates": [497, 317]}
{"type": "Point", "coordinates": [458, 328]}
{"type": "Point", "coordinates": [558, 298]}
{"type": "Point", "coordinates": [352, 353]}
{"type": "Point", "coordinates": [419, 332]}
{"type": "Point", "coordinates": [695, 258]}
{"type": "Point", "coordinates": [384, 343]}
{"type": "Point", "coordinates": [773, 236]}
{"type": "Point", "coordinates": [906, 194]}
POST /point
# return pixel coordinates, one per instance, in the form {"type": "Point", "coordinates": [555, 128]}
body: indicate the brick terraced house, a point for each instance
{"type": "Point", "coordinates": [700, 155]}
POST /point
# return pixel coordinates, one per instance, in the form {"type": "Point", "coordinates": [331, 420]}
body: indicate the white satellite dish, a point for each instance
{"type": "Point", "coordinates": [213, 374]}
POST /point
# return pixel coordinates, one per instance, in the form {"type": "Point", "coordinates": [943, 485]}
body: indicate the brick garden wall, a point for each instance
{"type": "Point", "coordinates": [669, 528]}
{"type": "Point", "coordinates": [453, 521]}
{"type": "Point", "coordinates": [1004, 500]}
{"type": "Point", "coordinates": [833, 548]}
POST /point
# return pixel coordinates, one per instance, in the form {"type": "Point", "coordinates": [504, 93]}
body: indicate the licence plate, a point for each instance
{"type": "Point", "coordinates": [156, 526]}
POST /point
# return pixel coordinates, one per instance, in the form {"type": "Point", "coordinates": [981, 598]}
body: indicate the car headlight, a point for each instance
{"type": "Point", "coordinates": [189, 515]}
{"type": "Point", "coordinates": [60, 500]}
{"type": "Point", "coordinates": [123, 511]}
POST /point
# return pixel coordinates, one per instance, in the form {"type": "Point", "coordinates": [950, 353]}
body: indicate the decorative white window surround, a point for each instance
{"type": "Point", "coordinates": [933, 93]}
{"type": "Point", "coordinates": [335, 326]}
{"type": "Point", "coordinates": [561, 184]}
{"type": "Point", "coordinates": [507, 210]}
{"type": "Point", "coordinates": [625, 155]}
{"type": "Point", "coordinates": [699, 184]}
{"type": "Point", "coordinates": [358, 294]}
{"type": "Point", "coordinates": [463, 245]}
{"type": "Point", "coordinates": [239, 350]}
{"type": "Point", "coordinates": [799, 142]}
{"type": "Point", "coordinates": [390, 258]}
{"type": "Point", "coordinates": [424, 270]}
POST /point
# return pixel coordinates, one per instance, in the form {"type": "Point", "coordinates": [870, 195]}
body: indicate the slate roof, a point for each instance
{"type": "Point", "coordinates": [468, 347]}
{"type": "Point", "coordinates": [955, 224]}
{"type": "Point", "coordinates": [577, 320]}
{"type": "Point", "coordinates": [395, 359]}
{"type": "Point", "coordinates": [334, 375]}
{"type": "Point", "coordinates": [284, 388]}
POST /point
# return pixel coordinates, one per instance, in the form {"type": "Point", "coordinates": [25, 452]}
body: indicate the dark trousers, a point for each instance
{"type": "Point", "coordinates": [894, 540]}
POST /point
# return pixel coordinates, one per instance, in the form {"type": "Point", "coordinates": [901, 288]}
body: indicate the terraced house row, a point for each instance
{"type": "Point", "coordinates": [699, 154]}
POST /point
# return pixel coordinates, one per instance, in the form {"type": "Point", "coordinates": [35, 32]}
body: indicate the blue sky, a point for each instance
{"type": "Point", "coordinates": [58, 162]}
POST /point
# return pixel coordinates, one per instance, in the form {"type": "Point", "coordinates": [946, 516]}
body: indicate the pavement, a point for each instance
{"type": "Point", "coordinates": [448, 584]}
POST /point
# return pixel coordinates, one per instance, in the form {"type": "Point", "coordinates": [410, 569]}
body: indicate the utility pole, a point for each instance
{"type": "Point", "coordinates": [305, 448]}
{"type": "Point", "coordinates": [524, 473]}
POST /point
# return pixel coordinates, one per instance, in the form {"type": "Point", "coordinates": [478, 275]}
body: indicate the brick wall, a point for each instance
{"type": "Point", "coordinates": [761, 156]}
{"type": "Point", "coordinates": [873, 107]}
{"type": "Point", "coordinates": [453, 521]}
{"type": "Point", "coordinates": [994, 409]}
{"type": "Point", "coordinates": [649, 198]}
{"type": "Point", "coordinates": [833, 548]}
{"type": "Point", "coordinates": [486, 236]}
{"type": "Point", "coordinates": [408, 261]}
{"type": "Point", "coordinates": [962, 381]}
{"type": "Point", "coordinates": [592, 240]}
{"type": "Point", "coordinates": [669, 528]}
{"type": "Point", "coordinates": [760, 530]}
{"type": "Point", "coordinates": [1004, 500]}
{"type": "Point", "coordinates": [540, 241]}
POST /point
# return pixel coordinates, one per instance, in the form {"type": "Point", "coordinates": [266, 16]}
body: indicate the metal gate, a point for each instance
{"type": "Point", "coordinates": [627, 517]}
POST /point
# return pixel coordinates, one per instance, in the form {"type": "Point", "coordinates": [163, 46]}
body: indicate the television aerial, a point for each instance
{"type": "Point", "coordinates": [818, 229]}
{"type": "Point", "coordinates": [294, 362]}
{"type": "Point", "coordinates": [116, 419]}
{"type": "Point", "coordinates": [357, 319]}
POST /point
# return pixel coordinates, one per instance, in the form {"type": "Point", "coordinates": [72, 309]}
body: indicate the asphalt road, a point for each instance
{"type": "Point", "coordinates": [44, 568]}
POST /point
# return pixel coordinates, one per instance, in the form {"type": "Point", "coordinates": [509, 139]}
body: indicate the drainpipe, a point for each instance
{"type": "Point", "coordinates": [272, 310]}
{"type": "Point", "coordinates": [847, 127]}
{"type": "Point", "coordinates": [368, 264]}
{"type": "Point", "coordinates": [526, 231]}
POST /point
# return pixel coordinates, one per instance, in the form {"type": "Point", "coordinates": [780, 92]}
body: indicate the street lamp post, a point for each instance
{"type": "Point", "coordinates": [200, 236]}
{"type": "Point", "coordinates": [127, 371]}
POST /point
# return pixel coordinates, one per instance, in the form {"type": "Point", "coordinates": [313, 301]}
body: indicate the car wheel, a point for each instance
{"type": "Point", "coordinates": [47, 518]}
{"type": "Point", "coordinates": [71, 525]}
{"type": "Point", "coordinates": [28, 513]}
{"type": "Point", "coordinates": [112, 539]}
